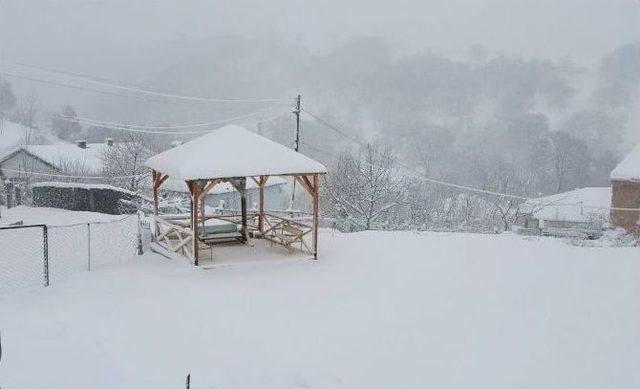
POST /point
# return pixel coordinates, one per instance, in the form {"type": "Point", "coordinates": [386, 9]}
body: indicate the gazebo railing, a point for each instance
{"type": "Point", "coordinates": [174, 233]}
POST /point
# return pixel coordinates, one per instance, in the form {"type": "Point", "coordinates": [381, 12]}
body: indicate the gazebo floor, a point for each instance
{"type": "Point", "coordinates": [257, 251]}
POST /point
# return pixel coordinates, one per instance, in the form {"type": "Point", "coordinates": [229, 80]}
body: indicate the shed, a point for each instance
{"type": "Point", "coordinates": [230, 154]}
{"type": "Point", "coordinates": [625, 193]}
{"type": "Point", "coordinates": [579, 212]}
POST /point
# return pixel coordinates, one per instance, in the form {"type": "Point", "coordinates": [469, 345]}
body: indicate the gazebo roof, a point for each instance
{"type": "Point", "coordinates": [231, 151]}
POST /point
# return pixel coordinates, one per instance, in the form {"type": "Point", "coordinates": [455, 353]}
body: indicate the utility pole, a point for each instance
{"type": "Point", "coordinates": [296, 146]}
{"type": "Point", "coordinates": [296, 112]}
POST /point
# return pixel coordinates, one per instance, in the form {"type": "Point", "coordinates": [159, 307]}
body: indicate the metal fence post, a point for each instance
{"type": "Point", "coordinates": [45, 251]}
{"type": "Point", "coordinates": [88, 246]}
{"type": "Point", "coordinates": [139, 251]}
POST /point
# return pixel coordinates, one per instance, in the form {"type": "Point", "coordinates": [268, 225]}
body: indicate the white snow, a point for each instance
{"type": "Point", "coordinates": [579, 205]}
{"type": "Point", "coordinates": [629, 168]}
{"type": "Point", "coordinates": [231, 151]}
{"type": "Point", "coordinates": [378, 310]}
{"type": "Point", "coordinates": [82, 186]}
{"type": "Point", "coordinates": [67, 155]}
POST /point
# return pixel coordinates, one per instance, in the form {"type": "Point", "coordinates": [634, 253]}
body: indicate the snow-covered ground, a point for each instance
{"type": "Point", "coordinates": [378, 310]}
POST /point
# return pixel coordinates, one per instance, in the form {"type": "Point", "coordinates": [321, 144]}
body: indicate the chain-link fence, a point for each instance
{"type": "Point", "coordinates": [39, 255]}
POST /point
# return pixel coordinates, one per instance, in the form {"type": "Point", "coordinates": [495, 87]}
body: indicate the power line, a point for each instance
{"type": "Point", "coordinates": [100, 122]}
{"type": "Point", "coordinates": [144, 130]}
{"type": "Point", "coordinates": [87, 89]}
{"type": "Point", "coordinates": [119, 85]}
{"type": "Point", "coordinates": [411, 170]}
{"type": "Point", "coordinates": [422, 177]}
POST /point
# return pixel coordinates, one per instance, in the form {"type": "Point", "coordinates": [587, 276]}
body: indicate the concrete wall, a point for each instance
{"type": "Point", "coordinates": [626, 194]}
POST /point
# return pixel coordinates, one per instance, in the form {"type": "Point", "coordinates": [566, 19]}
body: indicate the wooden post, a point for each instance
{"type": "Point", "coordinates": [315, 215]}
{"type": "Point", "coordinates": [158, 179]}
{"type": "Point", "coordinates": [243, 207]}
{"type": "Point", "coordinates": [154, 174]}
{"type": "Point", "coordinates": [261, 184]}
{"type": "Point", "coordinates": [193, 189]}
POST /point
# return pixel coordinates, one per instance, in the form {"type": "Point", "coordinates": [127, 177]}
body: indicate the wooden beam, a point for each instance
{"type": "Point", "coordinates": [208, 187]}
{"type": "Point", "coordinates": [308, 182]}
{"type": "Point", "coordinates": [162, 179]}
{"type": "Point", "coordinates": [304, 184]}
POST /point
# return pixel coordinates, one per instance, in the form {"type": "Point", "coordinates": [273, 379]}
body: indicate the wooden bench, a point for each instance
{"type": "Point", "coordinates": [286, 234]}
{"type": "Point", "coordinates": [221, 233]}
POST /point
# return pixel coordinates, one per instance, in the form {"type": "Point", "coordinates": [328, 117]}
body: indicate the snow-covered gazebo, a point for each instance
{"type": "Point", "coordinates": [230, 154]}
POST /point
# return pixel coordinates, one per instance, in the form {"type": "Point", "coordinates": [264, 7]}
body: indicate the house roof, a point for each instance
{"type": "Point", "coordinates": [231, 151]}
{"type": "Point", "coordinates": [629, 168]}
{"type": "Point", "coordinates": [67, 156]}
{"type": "Point", "coordinates": [176, 185]}
{"type": "Point", "coordinates": [578, 205]}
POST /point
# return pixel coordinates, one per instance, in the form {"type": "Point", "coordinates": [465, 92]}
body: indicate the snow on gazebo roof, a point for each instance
{"type": "Point", "coordinates": [231, 151]}
{"type": "Point", "coordinates": [629, 168]}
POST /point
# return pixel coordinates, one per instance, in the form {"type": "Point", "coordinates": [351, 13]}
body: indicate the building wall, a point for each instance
{"type": "Point", "coordinates": [273, 198]}
{"type": "Point", "coordinates": [626, 194]}
{"type": "Point", "coordinates": [24, 162]}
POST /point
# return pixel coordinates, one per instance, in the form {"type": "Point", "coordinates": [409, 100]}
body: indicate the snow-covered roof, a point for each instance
{"type": "Point", "coordinates": [176, 185]}
{"type": "Point", "coordinates": [79, 185]}
{"type": "Point", "coordinates": [578, 205]}
{"type": "Point", "coordinates": [629, 168]}
{"type": "Point", "coordinates": [70, 156]}
{"type": "Point", "coordinates": [231, 151]}
{"type": "Point", "coordinates": [66, 156]}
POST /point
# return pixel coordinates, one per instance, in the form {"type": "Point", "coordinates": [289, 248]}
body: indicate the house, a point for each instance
{"type": "Point", "coordinates": [81, 158]}
{"type": "Point", "coordinates": [224, 195]}
{"type": "Point", "coordinates": [625, 188]}
{"type": "Point", "coordinates": [580, 212]}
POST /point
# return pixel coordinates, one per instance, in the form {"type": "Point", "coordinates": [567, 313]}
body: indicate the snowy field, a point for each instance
{"type": "Point", "coordinates": [378, 310]}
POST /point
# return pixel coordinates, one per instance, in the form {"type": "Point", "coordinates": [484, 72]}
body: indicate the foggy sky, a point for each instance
{"type": "Point", "coordinates": [117, 38]}
{"type": "Point", "coordinates": [40, 31]}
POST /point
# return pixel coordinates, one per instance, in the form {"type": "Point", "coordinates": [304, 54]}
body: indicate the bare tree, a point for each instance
{"type": "Point", "coordinates": [362, 189]}
{"type": "Point", "coordinates": [27, 110]}
{"type": "Point", "coordinates": [123, 162]}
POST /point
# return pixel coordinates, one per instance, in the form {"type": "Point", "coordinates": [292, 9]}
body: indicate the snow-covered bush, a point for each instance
{"type": "Point", "coordinates": [82, 197]}
{"type": "Point", "coordinates": [617, 237]}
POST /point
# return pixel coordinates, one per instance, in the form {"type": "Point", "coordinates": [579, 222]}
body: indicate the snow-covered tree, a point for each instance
{"type": "Point", "coordinates": [126, 158]}
{"type": "Point", "coordinates": [362, 190]}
